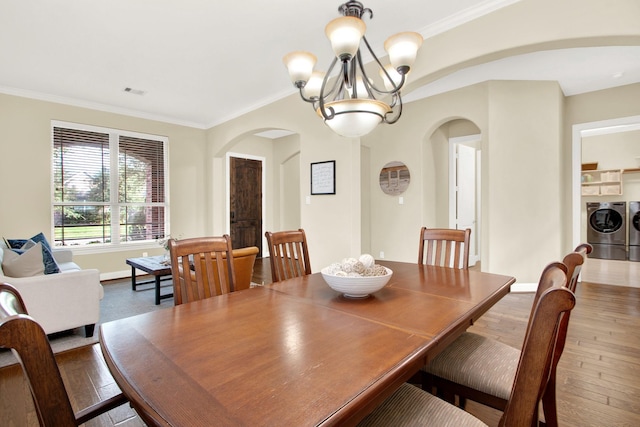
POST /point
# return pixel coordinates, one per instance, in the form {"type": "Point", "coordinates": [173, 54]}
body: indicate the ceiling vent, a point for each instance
{"type": "Point", "coordinates": [134, 91]}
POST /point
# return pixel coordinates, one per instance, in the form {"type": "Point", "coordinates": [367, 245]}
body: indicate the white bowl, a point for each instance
{"type": "Point", "coordinates": [356, 287]}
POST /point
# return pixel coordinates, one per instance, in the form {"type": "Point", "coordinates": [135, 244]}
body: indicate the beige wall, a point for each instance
{"type": "Point", "coordinates": [25, 153]}
{"type": "Point", "coordinates": [520, 123]}
{"type": "Point", "coordinates": [332, 223]}
{"type": "Point", "coordinates": [522, 217]}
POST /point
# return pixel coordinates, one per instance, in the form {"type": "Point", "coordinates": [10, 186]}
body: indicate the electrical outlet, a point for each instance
{"type": "Point", "coordinates": [381, 255]}
{"type": "Point", "coordinates": [145, 254]}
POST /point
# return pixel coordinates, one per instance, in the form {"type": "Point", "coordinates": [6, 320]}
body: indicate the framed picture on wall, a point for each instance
{"type": "Point", "coordinates": [323, 177]}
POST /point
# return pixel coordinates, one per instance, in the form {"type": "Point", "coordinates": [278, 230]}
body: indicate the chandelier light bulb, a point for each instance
{"type": "Point", "coordinates": [314, 84]}
{"type": "Point", "coordinates": [361, 90]}
{"type": "Point", "coordinates": [396, 77]}
{"type": "Point", "coordinates": [345, 34]}
{"type": "Point", "coordinates": [300, 65]}
{"type": "Point", "coordinates": [402, 49]}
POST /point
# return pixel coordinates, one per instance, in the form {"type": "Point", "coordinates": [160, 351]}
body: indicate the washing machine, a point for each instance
{"type": "Point", "coordinates": [634, 231]}
{"type": "Point", "coordinates": [607, 229]}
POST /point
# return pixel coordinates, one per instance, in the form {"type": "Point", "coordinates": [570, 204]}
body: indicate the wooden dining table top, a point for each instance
{"type": "Point", "coordinates": [292, 353]}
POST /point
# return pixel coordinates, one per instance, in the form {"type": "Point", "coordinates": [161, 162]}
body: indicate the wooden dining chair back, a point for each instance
{"type": "Point", "coordinates": [244, 259]}
{"type": "Point", "coordinates": [482, 369]}
{"type": "Point", "coordinates": [288, 254]}
{"type": "Point", "coordinates": [537, 355]}
{"type": "Point", "coordinates": [444, 247]}
{"type": "Point", "coordinates": [26, 338]}
{"type": "Point", "coordinates": [412, 406]}
{"type": "Point", "coordinates": [574, 262]}
{"type": "Point", "coordinates": [209, 264]}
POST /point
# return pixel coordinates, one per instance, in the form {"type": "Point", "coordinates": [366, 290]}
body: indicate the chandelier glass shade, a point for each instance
{"type": "Point", "coordinates": [350, 102]}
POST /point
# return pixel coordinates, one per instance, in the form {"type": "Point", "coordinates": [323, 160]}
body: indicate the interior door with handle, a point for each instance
{"type": "Point", "coordinates": [245, 207]}
{"type": "Point", "coordinates": [465, 166]}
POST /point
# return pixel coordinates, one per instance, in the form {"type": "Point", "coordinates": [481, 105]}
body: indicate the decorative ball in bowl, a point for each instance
{"type": "Point", "coordinates": [356, 277]}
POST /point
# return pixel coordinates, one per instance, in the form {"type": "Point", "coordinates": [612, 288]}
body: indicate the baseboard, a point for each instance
{"type": "Point", "coordinates": [114, 275]}
{"type": "Point", "coordinates": [524, 287]}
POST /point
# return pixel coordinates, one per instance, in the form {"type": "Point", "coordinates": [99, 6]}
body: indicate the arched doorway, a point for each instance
{"type": "Point", "coordinates": [455, 151]}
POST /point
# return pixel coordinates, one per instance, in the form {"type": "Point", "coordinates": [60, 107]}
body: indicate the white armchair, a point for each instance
{"type": "Point", "coordinates": [62, 301]}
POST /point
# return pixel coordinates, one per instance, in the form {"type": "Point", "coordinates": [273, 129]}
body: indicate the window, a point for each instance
{"type": "Point", "coordinates": [91, 205]}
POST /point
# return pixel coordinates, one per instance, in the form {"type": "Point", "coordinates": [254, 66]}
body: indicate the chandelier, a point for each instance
{"type": "Point", "coordinates": [350, 101]}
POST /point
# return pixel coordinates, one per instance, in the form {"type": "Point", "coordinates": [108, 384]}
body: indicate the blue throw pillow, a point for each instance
{"type": "Point", "coordinates": [16, 243]}
{"type": "Point", "coordinates": [50, 265]}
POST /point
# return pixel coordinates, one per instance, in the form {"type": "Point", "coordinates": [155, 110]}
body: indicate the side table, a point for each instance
{"type": "Point", "coordinates": [155, 266]}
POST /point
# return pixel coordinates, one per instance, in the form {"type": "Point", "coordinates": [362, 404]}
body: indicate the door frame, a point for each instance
{"type": "Point", "coordinates": [621, 124]}
{"type": "Point", "coordinates": [477, 140]}
{"type": "Point", "coordinates": [228, 191]}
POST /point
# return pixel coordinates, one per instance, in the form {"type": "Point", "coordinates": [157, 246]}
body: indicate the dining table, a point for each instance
{"type": "Point", "coordinates": [295, 352]}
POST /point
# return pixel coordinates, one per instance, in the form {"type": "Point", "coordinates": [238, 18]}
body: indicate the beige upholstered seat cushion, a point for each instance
{"type": "Point", "coordinates": [481, 363]}
{"type": "Point", "coordinates": [411, 406]}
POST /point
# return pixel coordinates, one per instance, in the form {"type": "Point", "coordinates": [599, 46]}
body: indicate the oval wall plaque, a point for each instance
{"type": "Point", "coordinates": [394, 178]}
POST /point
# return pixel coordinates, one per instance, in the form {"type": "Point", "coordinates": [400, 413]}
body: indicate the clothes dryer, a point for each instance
{"type": "Point", "coordinates": [606, 229]}
{"type": "Point", "coordinates": [634, 231]}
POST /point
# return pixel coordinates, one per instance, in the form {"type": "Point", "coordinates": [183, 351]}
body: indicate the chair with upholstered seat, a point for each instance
{"type": "Point", "coordinates": [202, 258]}
{"type": "Point", "coordinates": [26, 338]}
{"type": "Point", "coordinates": [411, 406]}
{"type": "Point", "coordinates": [288, 254]}
{"type": "Point", "coordinates": [444, 247]}
{"type": "Point", "coordinates": [482, 369]}
{"type": "Point", "coordinates": [574, 262]}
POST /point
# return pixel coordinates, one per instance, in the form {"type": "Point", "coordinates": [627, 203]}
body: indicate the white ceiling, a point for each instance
{"type": "Point", "coordinates": [202, 62]}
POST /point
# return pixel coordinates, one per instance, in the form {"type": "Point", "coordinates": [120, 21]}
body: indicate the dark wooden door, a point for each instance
{"type": "Point", "coordinates": [246, 203]}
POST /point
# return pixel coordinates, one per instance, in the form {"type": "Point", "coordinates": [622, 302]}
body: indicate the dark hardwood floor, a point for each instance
{"type": "Point", "coordinates": [598, 383]}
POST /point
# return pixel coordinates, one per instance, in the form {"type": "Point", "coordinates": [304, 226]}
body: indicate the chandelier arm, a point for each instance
{"type": "Point", "coordinates": [350, 75]}
{"type": "Point", "coordinates": [331, 112]}
{"type": "Point", "coordinates": [399, 110]}
{"type": "Point", "coordinates": [365, 79]}
{"type": "Point", "coordinates": [305, 99]}
{"type": "Point", "coordinates": [337, 86]}
{"type": "Point", "coordinates": [394, 99]}
{"type": "Point", "coordinates": [397, 87]}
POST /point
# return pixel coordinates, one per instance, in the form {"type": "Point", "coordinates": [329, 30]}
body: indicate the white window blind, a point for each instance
{"type": "Point", "coordinates": [92, 205]}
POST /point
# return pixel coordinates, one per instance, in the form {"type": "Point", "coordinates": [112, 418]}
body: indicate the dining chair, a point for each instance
{"type": "Point", "coordinates": [574, 262]}
{"type": "Point", "coordinates": [244, 260]}
{"type": "Point", "coordinates": [444, 247]}
{"type": "Point", "coordinates": [29, 343]}
{"type": "Point", "coordinates": [482, 369]}
{"type": "Point", "coordinates": [209, 261]}
{"type": "Point", "coordinates": [288, 254]}
{"type": "Point", "coordinates": [411, 406]}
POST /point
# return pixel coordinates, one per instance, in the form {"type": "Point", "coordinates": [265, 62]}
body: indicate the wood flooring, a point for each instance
{"type": "Point", "coordinates": [598, 374]}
